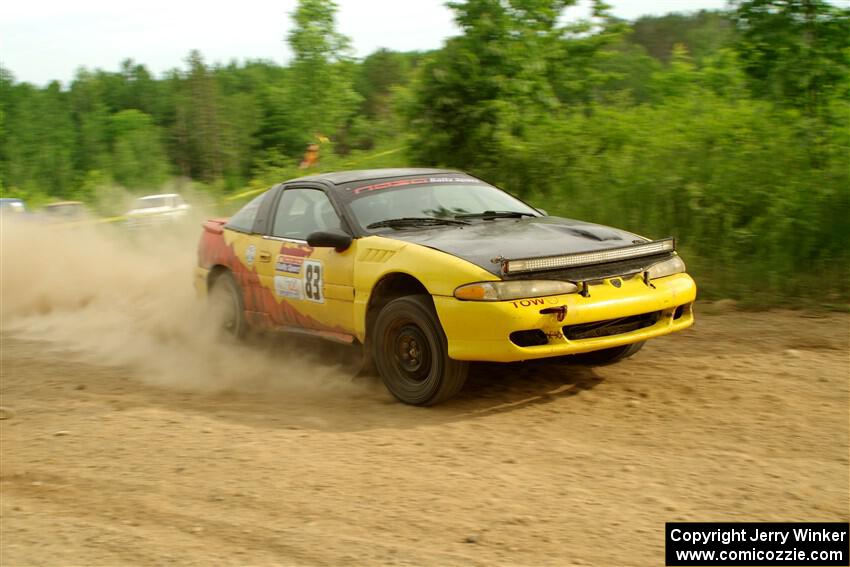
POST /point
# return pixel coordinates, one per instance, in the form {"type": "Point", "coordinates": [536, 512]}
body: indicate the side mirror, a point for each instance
{"type": "Point", "coordinates": [339, 241]}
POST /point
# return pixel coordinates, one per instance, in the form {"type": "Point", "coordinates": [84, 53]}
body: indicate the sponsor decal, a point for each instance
{"type": "Point", "coordinates": [314, 281]}
{"type": "Point", "coordinates": [296, 249]}
{"type": "Point", "coordinates": [554, 335]}
{"type": "Point", "coordinates": [285, 286]}
{"type": "Point", "coordinates": [528, 302]}
{"type": "Point", "coordinates": [388, 184]}
{"type": "Point", "coordinates": [416, 181]}
{"type": "Point", "coordinates": [288, 264]}
{"type": "Point", "coordinates": [454, 180]}
{"type": "Point", "coordinates": [250, 255]}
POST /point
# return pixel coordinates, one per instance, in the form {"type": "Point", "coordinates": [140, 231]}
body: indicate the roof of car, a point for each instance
{"type": "Point", "coordinates": [342, 177]}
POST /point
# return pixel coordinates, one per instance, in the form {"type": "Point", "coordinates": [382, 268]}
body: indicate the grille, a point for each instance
{"type": "Point", "coordinates": [611, 326]}
{"type": "Point", "coordinates": [532, 337]}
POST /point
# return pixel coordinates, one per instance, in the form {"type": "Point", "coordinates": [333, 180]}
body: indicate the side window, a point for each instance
{"type": "Point", "coordinates": [304, 211]}
{"type": "Point", "coordinates": [243, 220]}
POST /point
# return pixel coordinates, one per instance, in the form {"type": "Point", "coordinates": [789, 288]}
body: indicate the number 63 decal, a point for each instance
{"type": "Point", "coordinates": [313, 281]}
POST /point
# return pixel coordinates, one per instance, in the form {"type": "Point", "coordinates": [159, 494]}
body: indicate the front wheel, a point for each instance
{"type": "Point", "coordinates": [410, 352]}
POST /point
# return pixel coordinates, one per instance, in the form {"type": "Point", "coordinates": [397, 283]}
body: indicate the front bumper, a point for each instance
{"type": "Point", "coordinates": [493, 331]}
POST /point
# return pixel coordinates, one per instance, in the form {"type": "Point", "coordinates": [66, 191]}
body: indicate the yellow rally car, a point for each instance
{"type": "Point", "coordinates": [430, 269]}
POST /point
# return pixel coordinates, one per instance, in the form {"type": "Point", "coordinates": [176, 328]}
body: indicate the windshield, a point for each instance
{"type": "Point", "coordinates": [424, 198]}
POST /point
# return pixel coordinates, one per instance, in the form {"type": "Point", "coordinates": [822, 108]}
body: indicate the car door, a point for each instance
{"type": "Point", "coordinates": [313, 288]}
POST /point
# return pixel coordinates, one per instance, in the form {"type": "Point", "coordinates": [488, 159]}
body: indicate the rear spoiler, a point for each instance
{"type": "Point", "coordinates": [215, 226]}
{"type": "Point", "coordinates": [539, 264]}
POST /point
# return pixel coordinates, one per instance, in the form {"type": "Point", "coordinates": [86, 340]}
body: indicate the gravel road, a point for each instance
{"type": "Point", "coordinates": [745, 417]}
{"type": "Point", "coordinates": [131, 435]}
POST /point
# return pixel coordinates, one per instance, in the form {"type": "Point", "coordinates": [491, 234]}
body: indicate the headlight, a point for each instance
{"type": "Point", "coordinates": [502, 291]}
{"type": "Point", "coordinates": [674, 265]}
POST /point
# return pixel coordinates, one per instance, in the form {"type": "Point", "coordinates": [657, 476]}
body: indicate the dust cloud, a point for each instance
{"type": "Point", "coordinates": [107, 295]}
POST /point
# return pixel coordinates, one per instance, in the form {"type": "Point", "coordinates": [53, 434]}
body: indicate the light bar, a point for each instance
{"type": "Point", "coordinates": [588, 258]}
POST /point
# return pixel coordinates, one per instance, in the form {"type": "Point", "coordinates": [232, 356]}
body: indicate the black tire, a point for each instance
{"type": "Point", "coordinates": [606, 356]}
{"type": "Point", "coordinates": [226, 305]}
{"type": "Point", "coordinates": [410, 352]}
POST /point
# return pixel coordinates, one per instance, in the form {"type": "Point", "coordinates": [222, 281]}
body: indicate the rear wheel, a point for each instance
{"type": "Point", "coordinates": [410, 352]}
{"type": "Point", "coordinates": [606, 356]}
{"type": "Point", "coordinates": [226, 306]}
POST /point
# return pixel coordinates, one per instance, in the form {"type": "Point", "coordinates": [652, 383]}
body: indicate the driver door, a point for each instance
{"type": "Point", "coordinates": [313, 288]}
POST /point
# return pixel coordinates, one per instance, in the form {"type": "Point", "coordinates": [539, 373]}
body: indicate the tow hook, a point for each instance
{"type": "Point", "coordinates": [559, 312]}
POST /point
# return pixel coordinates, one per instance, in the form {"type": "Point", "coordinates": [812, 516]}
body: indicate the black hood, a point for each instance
{"type": "Point", "coordinates": [483, 241]}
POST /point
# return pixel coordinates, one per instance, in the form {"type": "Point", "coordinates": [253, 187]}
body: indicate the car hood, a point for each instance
{"type": "Point", "coordinates": [484, 241]}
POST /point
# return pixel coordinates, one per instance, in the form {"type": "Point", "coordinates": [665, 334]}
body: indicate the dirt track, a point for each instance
{"type": "Point", "coordinates": [745, 417]}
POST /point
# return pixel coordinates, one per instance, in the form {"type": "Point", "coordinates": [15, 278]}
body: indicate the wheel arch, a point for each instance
{"type": "Point", "coordinates": [392, 286]}
{"type": "Point", "coordinates": [215, 271]}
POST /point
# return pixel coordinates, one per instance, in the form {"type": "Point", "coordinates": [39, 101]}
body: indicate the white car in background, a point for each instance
{"type": "Point", "coordinates": [11, 205]}
{"type": "Point", "coordinates": [153, 210]}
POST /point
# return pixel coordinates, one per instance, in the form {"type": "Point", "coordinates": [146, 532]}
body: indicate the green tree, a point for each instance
{"type": "Point", "coordinates": [796, 52]}
{"type": "Point", "coordinates": [91, 119]}
{"type": "Point", "coordinates": [702, 33]}
{"type": "Point", "coordinates": [7, 81]}
{"type": "Point", "coordinates": [138, 159]}
{"type": "Point", "coordinates": [476, 97]}
{"type": "Point", "coordinates": [198, 122]}
{"type": "Point", "coordinates": [139, 88]}
{"type": "Point", "coordinates": [578, 67]}
{"type": "Point", "coordinates": [39, 141]}
{"type": "Point", "coordinates": [321, 91]}
{"type": "Point", "coordinates": [376, 77]}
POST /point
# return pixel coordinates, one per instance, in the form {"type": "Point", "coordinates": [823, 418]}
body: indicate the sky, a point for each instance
{"type": "Point", "coordinates": [43, 40]}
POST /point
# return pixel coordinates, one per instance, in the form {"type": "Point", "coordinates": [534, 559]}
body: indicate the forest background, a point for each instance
{"type": "Point", "coordinates": [729, 130]}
